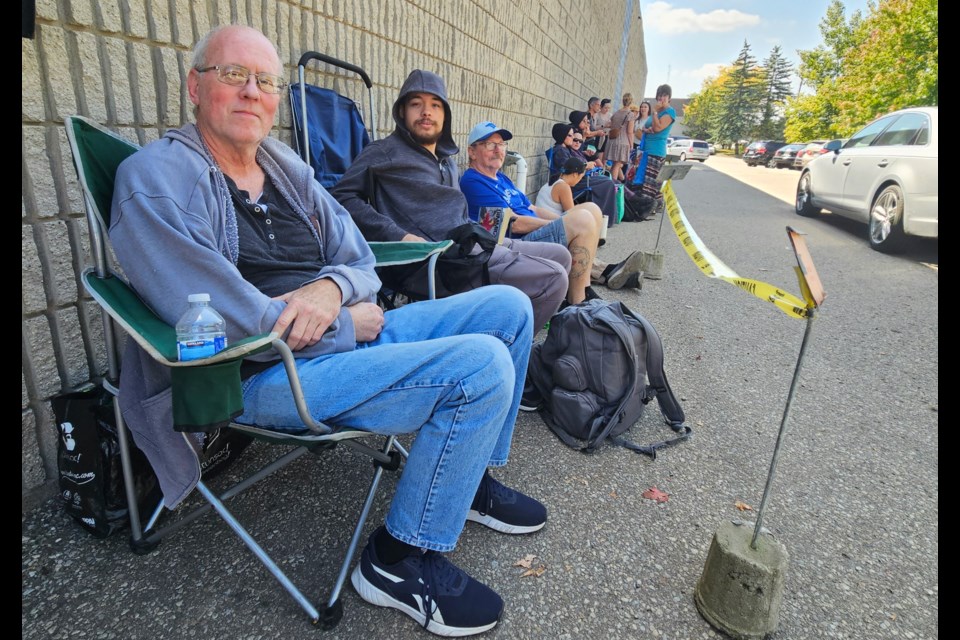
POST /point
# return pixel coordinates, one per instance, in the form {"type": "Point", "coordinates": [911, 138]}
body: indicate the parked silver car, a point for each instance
{"type": "Point", "coordinates": [886, 175]}
{"type": "Point", "coordinates": [688, 149]}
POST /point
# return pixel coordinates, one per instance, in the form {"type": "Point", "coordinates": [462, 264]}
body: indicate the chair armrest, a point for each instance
{"type": "Point", "coordinates": [152, 334]}
{"type": "Point", "coordinates": [390, 254]}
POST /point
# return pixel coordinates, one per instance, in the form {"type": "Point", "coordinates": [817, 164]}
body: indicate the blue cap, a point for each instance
{"type": "Point", "coordinates": [484, 130]}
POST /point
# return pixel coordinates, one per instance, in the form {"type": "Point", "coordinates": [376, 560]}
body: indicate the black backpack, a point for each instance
{"type": "Point", "coordinates": [592, 371]}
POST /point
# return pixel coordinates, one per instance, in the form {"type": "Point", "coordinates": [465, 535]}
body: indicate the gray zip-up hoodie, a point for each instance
{"type": "Point", "coordinates": [174, 231]}
{"type": "Point", "coordinates": [396, 186]}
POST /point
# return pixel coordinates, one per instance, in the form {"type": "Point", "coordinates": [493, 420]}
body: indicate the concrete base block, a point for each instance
{"type": "Point", "coordinates": [651, 263]}
{"type": "Point", "coordinates": [741, 589]}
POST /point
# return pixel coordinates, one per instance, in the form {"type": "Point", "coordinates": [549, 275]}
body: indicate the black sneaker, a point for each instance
{"type": "Point", "coordinates": [623, 270]}
{"type": "Point", "coordinates": [592, 294]}
{"type": "Point", "coordinates": [635, 281]}
{"type": "Point", "coordinates": [430, 589]}
{"type": "Point", "coordinates": [506, 510]}
{"type": "Point", "coordinates": [531, 399]}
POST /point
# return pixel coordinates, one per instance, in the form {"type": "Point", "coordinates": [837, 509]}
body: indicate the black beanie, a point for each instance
{"type": "Point", "coordinates": [560, 131]}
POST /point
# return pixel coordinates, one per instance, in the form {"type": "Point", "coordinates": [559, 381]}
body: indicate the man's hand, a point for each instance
{"type": "Point", "coordinates": [310, 311]}
{"type": "Point", "coordinates": [367, 321]}
{"type": "Point", "coordinates": [409, 237]}
{"type": "Point", "coordinates": [526, 224]}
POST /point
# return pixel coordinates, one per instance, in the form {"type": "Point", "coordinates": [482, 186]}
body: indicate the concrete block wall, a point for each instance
{"type": "Point", "coordinates": [524, 64]}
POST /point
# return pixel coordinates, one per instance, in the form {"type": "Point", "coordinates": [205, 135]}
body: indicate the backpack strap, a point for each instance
{"type": "Point", "coordinates": [669, 406]}
{"type": "Point", "coordinates": [618, 328]}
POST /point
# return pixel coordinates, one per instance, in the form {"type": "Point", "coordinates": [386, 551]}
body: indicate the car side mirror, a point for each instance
{"type": "Point", "coordinates": [833, 145]}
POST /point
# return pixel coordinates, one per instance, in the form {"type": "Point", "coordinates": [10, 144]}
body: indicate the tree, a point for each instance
{"type": "Point", "coordinates": [739, 96]}
{"type": "Point", "coordinates": [824, 64]}
{"type": "Point", "coordinates": [867, 67]}
{"type": "Point", "coordinates": [895, 65]}
{"type": "Point", "coordinates": [816, 116]}
{"type": "Point", "coordinates": [775, 74]}
{"type": "Point", "coordinates": [702, 115]}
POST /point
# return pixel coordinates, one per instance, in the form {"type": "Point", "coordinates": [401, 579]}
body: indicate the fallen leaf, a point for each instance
{"type": "Point", "coordinates": [655, 494]}
{"type": "Point", "coordinates": [613, 494]}
{"type": "Point", "coordinates": [742, 506]}
{"type": "Point", "coordinates": [698, 358]}
{"type": "Point", "coordinates": [536, 573]}
{"type": "Point", "coordinates": [526, 561]}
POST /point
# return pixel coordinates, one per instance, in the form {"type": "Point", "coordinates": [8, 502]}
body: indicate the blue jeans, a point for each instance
{"type": "Point", "coordinates": [553, 232]}
{"type": "Point", "coordinates": [451, 370]}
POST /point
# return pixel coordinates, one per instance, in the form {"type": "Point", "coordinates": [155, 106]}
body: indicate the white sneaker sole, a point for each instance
{"type": "Point", "coordinates": [373, 595]}
{"type": "Point", "coordinates": [475, 516]}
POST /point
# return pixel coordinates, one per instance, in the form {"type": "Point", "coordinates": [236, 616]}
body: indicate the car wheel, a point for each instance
{"type": "Point", "coordinates": [886, 220]}
{"type": "Point", "coordinates": [683, 157]}
{"type": "Point", "coordinates": [804, 205]}
{"type": "Point", "coordinates": [703, 159]}
{"type": "Point", "coordinates": [771, 163]}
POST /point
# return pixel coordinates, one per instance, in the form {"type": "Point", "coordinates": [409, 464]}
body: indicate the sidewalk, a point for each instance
{"type": "Point", "coordinates": [855, 501]}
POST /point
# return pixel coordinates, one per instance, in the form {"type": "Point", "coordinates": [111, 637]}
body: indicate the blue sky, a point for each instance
{"type": "Point", "coordinates": [688, 40]}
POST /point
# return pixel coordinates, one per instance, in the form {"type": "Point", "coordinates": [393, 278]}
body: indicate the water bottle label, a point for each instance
{"type": "Point", "coordinates": [196, 349]}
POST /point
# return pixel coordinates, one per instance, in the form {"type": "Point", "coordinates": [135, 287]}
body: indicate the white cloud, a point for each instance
{"type": "Point", "coordinates": [665, 18]}
{"type": "Point", "coordinates": [705, 71]}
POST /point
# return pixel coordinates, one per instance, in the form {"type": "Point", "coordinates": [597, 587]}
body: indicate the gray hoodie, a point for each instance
{"type": "Point", "coordinates": [174, 231]}
{"type": "Point", "coordinates": [396, 186]}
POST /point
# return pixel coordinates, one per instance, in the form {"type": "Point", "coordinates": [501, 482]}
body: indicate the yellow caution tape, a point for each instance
{"type": "Point", "coordinates": [713, 267]}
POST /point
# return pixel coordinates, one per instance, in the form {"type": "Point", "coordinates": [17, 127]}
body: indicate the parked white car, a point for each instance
{"type": "Point", "coordinates": [688, 149]}
{"type": "Point", "coordinates": [886, 175]}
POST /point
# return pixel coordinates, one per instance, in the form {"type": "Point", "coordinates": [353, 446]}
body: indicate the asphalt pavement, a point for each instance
{"type": "Point", "coordinates": [855, 501]}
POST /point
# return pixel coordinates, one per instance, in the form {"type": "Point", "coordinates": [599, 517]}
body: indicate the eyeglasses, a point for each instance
{"type": "Point", "coordinates": [237, 76]}
{"type": "Point", "coordinates": [577, 140]}
{"type": "Point", "coordinates": [490, 145]}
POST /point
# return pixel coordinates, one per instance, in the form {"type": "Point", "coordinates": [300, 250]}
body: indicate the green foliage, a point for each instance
{"type": "Point", "coordinates": [744, 100]}
{"type": "Point", "coordinates": [739, 97]}
{"type": "Point", "coordinates": [703, 113]}
{"type": "Point", "coordinates": [867, 66]}
{"type": "Point", "coordinates": [896, 64]}
{"type": "Point", "coordinates": [776, 73]}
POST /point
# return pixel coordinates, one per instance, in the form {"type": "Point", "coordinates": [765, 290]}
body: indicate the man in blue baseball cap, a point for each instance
{"type": "Point", "coordinates": [575, 226]}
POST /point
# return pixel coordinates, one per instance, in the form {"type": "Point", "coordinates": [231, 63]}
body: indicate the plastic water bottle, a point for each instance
{"type": "Point", "coordinates": [201, 331]}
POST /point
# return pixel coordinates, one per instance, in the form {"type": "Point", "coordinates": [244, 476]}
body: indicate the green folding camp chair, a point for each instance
{"type": "Point", "coordinates": [207, 391]}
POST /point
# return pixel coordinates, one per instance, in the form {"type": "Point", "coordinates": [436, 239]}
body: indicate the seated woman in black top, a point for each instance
{"type": "Point", "coordinates": [594, 188]}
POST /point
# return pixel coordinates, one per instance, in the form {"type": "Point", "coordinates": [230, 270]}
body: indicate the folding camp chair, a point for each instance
{"type": "Point", "coordinates": [329, 133]}
{"type": "Point", "coordinates": [97, 153]}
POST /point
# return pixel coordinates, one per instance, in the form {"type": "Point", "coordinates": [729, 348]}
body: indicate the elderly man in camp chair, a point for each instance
{"type": "Point", "coordinates": [221, 208]}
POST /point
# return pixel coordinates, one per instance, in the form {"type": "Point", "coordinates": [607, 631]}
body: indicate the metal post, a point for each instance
{"type": "Point", "coordinates": [783, 430]}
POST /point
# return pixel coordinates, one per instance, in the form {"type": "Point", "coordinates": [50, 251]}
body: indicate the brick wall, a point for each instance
{"type": "Point", "coordinates": [524, 64]}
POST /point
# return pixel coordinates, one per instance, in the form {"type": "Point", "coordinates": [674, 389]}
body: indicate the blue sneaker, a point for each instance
{"type": "Point", "coordinates": [506, 510]}
{"type": "Point", "coordinates": [430, 589]}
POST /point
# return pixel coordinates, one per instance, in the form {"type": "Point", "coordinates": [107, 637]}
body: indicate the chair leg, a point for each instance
{"type": "Point", "coordinates": [258, 551]}
{"type": "Point", "coordinates": [334, 610]}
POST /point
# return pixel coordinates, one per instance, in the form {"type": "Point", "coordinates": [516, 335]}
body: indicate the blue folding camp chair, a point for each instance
{"type": "Point", "coordinates": [329, 133]}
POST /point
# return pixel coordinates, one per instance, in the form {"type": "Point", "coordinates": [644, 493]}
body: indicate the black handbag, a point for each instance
{"type": "Point", "coordinates": [462, 267]}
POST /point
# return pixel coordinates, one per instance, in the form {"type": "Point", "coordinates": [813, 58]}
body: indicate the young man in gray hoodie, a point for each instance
{"type": "Point", "coordinates": [222, 208]}
{"type": "Point", "coordinates": [407, 187]}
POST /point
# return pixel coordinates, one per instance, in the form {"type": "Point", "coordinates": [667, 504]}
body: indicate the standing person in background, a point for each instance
{"type": "Point", "coordinates": [595, 135]}
{"type": "Point", "coordinates": [602, 122]}
{"type": "Point", "coordinates": [618, 149]}
{"type": "Point", "coordinates": [639, 161]}
{"type": "Point", "coordinates": [655, 143]}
